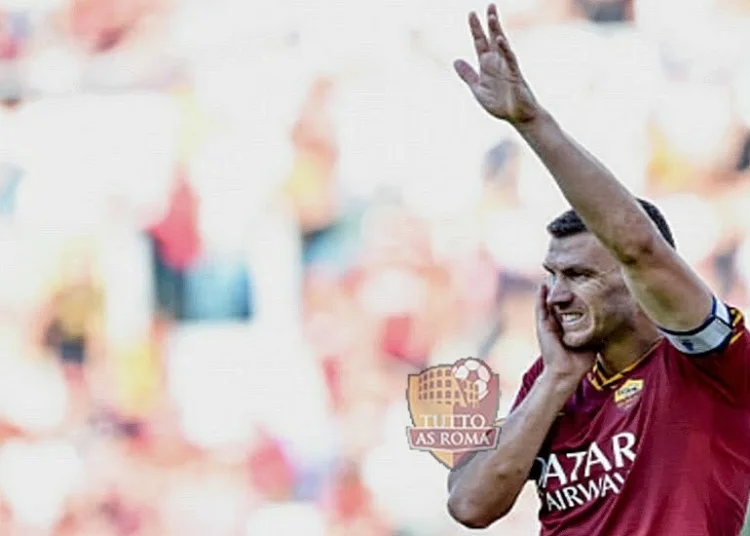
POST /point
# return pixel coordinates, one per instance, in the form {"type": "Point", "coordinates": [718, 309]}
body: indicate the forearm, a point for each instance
{"type": "Point", "coordinates": [607, 208]}
{"type": "Point", "coordinates": [484, 489]}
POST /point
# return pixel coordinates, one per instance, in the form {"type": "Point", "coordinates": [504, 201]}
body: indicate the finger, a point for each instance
{"type": "Point", "coordinates": [493, 23]}
{"type": "Point", "coordinates": [466, 72]}
{"type": "Point", "coordinates": [509, 56]}
{"type": "Point", "coordinates": [542, 310]}
{"type": "Point", "coordinates": [481, 44]}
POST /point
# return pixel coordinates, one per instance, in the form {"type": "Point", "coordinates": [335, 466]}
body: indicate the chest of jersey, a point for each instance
{"type": "Point", "coordinates": [597, 440]}
{"type": "Point", "coordinates": [661, 449]}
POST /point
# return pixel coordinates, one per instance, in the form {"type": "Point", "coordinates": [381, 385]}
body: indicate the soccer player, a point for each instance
{"type": "Point", "coordinates": [635, 420]}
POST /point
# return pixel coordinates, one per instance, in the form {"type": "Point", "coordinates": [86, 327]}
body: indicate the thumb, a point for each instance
{"type": "Point", "coordinates": [466, 72]}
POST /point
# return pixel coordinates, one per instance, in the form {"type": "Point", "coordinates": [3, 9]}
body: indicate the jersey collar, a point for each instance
{"type": "Point", "coordinates": [602, 379]}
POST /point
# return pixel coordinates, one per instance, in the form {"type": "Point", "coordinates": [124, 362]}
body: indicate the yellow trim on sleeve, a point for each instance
{"type": "Point", "coordinates": [735, 337]}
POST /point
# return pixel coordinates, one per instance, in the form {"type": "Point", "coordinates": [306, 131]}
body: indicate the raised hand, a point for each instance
{"type": "Point", "coordinates": [499, 86]}
{"type": "Point", "coordinates": [563, 363]}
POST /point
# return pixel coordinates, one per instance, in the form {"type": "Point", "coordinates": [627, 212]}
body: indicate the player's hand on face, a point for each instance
{"type": "Point", "coordinates": [499, 86]}
{"type": "Point", "coordinates": [564, 364]}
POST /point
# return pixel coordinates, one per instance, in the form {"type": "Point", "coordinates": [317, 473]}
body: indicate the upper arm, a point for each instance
{"type": "Point", "coordinates": [668, 290]}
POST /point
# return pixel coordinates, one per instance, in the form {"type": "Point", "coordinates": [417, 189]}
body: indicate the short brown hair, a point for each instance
{"type": "Point", "coordinates": [569, 223]}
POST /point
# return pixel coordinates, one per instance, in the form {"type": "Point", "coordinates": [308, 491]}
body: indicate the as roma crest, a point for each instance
{"type": "Point", "coordinates": [453, 410]}
{"type": "Point", "coordinates": [627, 395]}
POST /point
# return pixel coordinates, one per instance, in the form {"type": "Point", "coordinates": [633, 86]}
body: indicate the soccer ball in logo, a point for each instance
{"type": "Point", "coordinates": [474, 372]}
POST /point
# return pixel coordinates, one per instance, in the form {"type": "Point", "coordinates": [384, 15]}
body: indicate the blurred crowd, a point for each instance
{"type": "Point", "coordinates": [230, 230]}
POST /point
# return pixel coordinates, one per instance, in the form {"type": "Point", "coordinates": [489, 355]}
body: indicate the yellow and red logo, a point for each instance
{"type": "Point", "coordinates": [453, 409]}
{"type": "Point", "coordinates": [629, 393]}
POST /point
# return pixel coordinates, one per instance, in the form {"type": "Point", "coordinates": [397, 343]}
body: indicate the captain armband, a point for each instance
{"type": "Point", "coordinates": [710, 336]}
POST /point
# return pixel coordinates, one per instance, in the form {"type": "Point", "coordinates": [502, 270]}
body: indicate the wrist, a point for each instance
{"type": "Point", "coordinates": [537, 118]}
{"type": "Point", "coordinates": [558, 383]}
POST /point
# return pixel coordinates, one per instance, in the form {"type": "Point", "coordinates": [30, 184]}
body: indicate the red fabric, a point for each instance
{"type": "Point", "coordinates": [177, 233]}
{"type": "Point", "coordinates": [351, 500]}
{"type": "Point", "coordinates": [332, 374]}
{"type": "Point", "coordinates": [401, 341]}
{"type": "Point", "coordinates": [271, 470]}
{"type": "Point", "coordinates": [349, 497]}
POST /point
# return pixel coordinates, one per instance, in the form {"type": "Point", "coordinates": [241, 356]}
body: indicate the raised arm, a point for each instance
{"type": "Point", "coordinates": [668, 290]}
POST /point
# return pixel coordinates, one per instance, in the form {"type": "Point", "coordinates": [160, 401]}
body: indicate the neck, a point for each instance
{"type": "Point", "coordinates": [620, 353]}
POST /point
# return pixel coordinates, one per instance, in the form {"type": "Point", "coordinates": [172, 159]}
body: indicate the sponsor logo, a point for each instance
{"type": "Point", "coordinates": [453, 410]}
{"type": "Point", "coordinates": [572, 479]}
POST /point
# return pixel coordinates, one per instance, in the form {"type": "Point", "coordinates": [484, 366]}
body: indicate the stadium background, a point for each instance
{"type": "Point", "coordinates": [230, 229]}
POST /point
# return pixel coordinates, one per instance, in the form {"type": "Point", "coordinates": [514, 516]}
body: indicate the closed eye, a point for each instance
{"type": "Point", "coordinates": [574, 273]}
{"type": "Point", "coordinates": [571, 272]}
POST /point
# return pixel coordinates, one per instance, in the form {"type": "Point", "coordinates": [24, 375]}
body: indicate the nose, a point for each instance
{"type": "Point", "coordinates": [559, 294]}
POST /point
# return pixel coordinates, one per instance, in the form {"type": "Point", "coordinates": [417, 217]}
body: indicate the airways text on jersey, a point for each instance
{"type": "Point", "coordinates": [573, 479]}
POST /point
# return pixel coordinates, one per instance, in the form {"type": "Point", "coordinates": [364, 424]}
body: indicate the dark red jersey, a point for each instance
{"type": "Point", "coordinates": [660, 449]}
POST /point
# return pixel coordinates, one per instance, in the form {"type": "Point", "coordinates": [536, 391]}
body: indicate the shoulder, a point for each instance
{"type": "Point", "coordinates": [739, 329]}
{"type": "Point", "coordinates": [724, 369]}
{"type": "Point", "coordinates": [738, 319]}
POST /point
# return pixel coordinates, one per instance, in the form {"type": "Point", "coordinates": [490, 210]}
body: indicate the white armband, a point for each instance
{"type": "Point", "coordinates": [708, 337]}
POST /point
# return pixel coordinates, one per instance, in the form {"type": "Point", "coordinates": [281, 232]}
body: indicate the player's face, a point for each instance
{"type": "Point", "coordinates": [587, 292]}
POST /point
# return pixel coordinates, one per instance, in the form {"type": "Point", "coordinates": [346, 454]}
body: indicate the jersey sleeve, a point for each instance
{"type": "Point", "coordinates": [726, 368]}
{"type": "Point", "coordinates": [527, 382]}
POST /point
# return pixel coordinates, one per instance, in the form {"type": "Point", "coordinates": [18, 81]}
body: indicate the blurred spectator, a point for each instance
{"type": "Point", "coordinates": [176, 247]}
{"type": "Point", "coordinates": [100, 25]}
{"type": "Point", "coordinates": [311, 185]}
{"type": "Point", "coordinates": [14, 31]}
{"type": "Point", "coordinates": [271, 470]}
{"type": "Point", "coordinates": [400, 286]}
{"type": "Point", "coordinates": [72, 321]}
{"type": "Point", "coordinates": [350, 506]}
{"type": "Point", "coordinates": [601, 11]}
